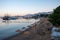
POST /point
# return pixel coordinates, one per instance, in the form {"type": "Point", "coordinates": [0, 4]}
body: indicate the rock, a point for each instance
{"type": "Point", "coordinates": [23, 28]}
{"type": "Point", "coordinates": [18, 30]}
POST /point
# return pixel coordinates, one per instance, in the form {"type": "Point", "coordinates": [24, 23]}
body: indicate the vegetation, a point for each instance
{"type": "Point", "coordinates": [35, 16]}
{"type": "Point", "coordinates": [44, 15]}
{"type": "Point", "coordinates": [40, 15]}
{"type": "Point", "coordinates": [54, 18]}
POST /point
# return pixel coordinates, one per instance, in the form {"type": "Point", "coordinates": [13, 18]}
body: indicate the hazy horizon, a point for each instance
{"type": "Point", "coordinates": [23, 7]}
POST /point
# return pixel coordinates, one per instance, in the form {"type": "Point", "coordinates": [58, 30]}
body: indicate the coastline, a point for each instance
{"type": "Point", "coordinates": [29, 28]}
{"type": "Point", "coordinates": [34, 31]}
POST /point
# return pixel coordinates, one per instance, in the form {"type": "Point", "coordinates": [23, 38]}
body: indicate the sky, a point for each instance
{"type": "Point", "coordinates": [23, 7]}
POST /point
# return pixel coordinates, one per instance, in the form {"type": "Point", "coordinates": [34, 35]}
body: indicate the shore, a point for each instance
{"type": "Point", "coordinates": [37, 31]}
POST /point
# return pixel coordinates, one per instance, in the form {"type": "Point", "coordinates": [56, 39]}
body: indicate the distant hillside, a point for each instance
{"type": "Point", "coordinates": [28, 16]}
{"type": "Point", "coordinates": [36, 15]}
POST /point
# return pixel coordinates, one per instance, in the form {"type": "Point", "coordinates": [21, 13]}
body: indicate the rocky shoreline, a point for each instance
{"type": "Point", "coordinates": [37, 31]}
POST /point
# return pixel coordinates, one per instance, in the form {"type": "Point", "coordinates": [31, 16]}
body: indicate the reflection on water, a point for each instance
{"type": "Point", "coordinates": [8, 28]}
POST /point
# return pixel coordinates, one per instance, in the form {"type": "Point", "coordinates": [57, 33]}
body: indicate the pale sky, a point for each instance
{"type": "Point", "coordinates": [23, 7]}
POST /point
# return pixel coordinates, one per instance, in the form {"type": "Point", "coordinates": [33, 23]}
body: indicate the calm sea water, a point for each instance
{"type": "Point", "coordinates": [9, 28]}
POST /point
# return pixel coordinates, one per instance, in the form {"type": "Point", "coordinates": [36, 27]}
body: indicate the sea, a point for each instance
{"type": "Point", "coordinates": [9, 27]}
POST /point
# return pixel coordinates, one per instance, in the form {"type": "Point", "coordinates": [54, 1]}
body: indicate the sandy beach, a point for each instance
{"type": "Point", "coordinates": [38, 31]}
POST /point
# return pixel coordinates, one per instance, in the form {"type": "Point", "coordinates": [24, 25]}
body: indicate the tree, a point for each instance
{"type": "Point", "coordinates": [36, 16]}
{"type": "Point", "coordinates": [54, 18]}
{"type": "Point", "coordinates": [44, 15]}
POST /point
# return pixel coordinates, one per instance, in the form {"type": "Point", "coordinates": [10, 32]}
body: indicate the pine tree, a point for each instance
{"type": "Point", "coordinates": [54, 18]}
